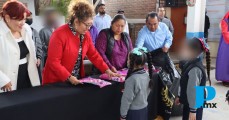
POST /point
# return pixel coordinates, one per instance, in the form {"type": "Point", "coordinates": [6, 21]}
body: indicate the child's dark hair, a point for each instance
{"type": "Point", "coordinates": [140, 60]}
{"type": "Point", "coordinates": [136, 60]}
{"type": "Point", "coordinates": [196, 45]}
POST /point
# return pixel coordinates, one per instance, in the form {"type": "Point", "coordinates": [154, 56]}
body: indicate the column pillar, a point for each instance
{"type": "Point", "coordinates": [196, 19]}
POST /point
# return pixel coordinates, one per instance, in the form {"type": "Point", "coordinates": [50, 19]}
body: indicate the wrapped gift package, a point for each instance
{"type": "Point", "coordinates": [98, 82]}
{"type": "Point", "coordinates": [122, 72]}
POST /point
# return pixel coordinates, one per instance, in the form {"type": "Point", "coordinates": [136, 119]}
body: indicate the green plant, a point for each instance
{"type": "Point", "coordinates": [61, 6]}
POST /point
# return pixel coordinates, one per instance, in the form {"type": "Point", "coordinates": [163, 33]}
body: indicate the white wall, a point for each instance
{"type": "Point", "coordinates": [216, 9]}
{"type": "Point", "coordinates": [195, 17]}
{"type": "Point", "coordinates": [37, 20]}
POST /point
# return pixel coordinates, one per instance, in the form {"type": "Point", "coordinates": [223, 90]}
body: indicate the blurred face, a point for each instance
{"type": "Point", "coordinates": [52, 19]}
{"type": "Point", "coordinates": [161, 12]}
{"type": "Point", "coordinates": [82, 27]}
{"type": "Point", "coordinates": [15, 25]}
{"type": "Point", "coordinates": [152, 24]}
{"type": "Point", "coordinates": [53, 16]}
{"type": "Point", "coordinates": [186, 53]}
{"type": "Point", "coordinates": [101, 10]}
{"type": "Point", "coordinates": [118, 26]}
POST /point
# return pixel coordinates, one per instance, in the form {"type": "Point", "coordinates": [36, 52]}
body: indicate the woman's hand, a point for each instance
{"type": "Point", "coordinates": [7, 87]}
{"type": "Point", "coordinates": [192, 116]}
{"type": "Point", "coordinates": [112, 74]}
{"type": "Point", "coordinates": [38, 62]}
{"type": "Point", "coordinates": [73, 80]}
{"type": "Point", "coordinates": [113, 69]}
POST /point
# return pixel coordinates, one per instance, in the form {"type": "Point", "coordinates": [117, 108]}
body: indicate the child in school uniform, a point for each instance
{"type": "Point", "coordinates": [193, 74]}
{"type": "Point", "coordinates": [137, 87]}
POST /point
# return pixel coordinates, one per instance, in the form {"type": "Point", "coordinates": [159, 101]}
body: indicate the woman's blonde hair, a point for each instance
{"type": "Point", "coordinates": [80, 9]}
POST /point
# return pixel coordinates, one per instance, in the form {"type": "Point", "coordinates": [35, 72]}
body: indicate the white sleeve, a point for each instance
{"type": "Point", "coordinates": [110, 20]}
{"type": "Point", "coordinates": [127, 28]}
{"type": "Point", "coordinates": [94, 22]}
{"type": "Point", "coordinates": [4, 79]}
{"type": "Point", "coordinates": [28, 30]}
{"type": "Point", "coordinates": [33, 47]}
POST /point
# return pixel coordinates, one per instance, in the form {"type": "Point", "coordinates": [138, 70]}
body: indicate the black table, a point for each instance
{"type": "Point", "coordinates": [62, 101]}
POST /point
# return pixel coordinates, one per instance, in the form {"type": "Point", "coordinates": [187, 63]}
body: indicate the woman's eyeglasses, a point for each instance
{"type": "Point", "coordinates": [88, 25]}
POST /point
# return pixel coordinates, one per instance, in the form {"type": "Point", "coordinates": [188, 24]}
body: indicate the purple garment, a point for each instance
{"type": "Point", "coordinates": [119, 54]}
{"type": "Point", "coordinates": [222, 62]}
{"type": "Point", "coordinates": [94, 33]}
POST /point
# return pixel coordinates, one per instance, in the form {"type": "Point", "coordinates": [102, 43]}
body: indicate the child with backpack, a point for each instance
{"type": "Point", "coordinates": [193, 74]}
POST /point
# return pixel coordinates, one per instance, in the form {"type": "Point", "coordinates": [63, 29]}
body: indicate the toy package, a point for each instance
{"type": "Point", "coordinates": [98, 82]}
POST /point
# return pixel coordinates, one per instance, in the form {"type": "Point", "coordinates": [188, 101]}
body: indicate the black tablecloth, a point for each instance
{"type": "Point", "coordinates": [62, 101]}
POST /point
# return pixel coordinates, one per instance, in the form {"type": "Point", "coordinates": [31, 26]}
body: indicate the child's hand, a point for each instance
{"type": "Point", "coordinates": [122, 117]}
{"type": "Point", "coordinates": [192, 116]}
{"type": "Point", "coordinates": [177, 101]}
